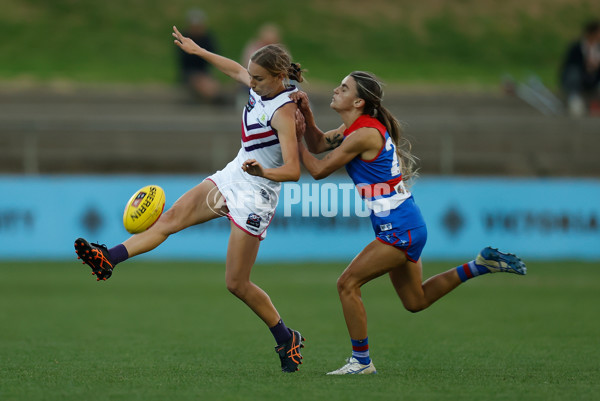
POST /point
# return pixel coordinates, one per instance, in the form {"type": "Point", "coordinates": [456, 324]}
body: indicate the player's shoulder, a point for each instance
{"type": "Point", "coordinates": [363, 133]}
{"type": "Point", "coordinates": [287, 109]}
{"type": "Point", "coordinates": [280, 101]}
{"type": "Point", "coordinates": [364, 139]}
{"type": "Point", "coordinates": [284, 95]}
{"type": "Point", "coordinates": [285, 114]}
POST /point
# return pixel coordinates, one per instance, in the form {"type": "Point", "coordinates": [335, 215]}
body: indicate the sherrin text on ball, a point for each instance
{"type": "Point", "coordinates": [143, 209]}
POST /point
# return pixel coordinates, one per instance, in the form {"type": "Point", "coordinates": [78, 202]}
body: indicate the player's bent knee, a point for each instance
{"type": "Point", "coordinates": [341, 284]}
{"type": "Point", "coordinates": [237, 288]}
{"type": "Point", "coordinates": [232, 287]}
{"type": "Point", "coordinates": [172, 221]}
{"type": "Point", "coordinates": [346, 285]}
{"type": "Point", "coordinates": [166, 223]}
{"type": "Point", "coordinates": [414, 306]}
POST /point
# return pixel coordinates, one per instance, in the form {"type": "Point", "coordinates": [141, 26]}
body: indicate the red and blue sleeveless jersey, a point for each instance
{"type": "Point", "coordinates": [379, 183]}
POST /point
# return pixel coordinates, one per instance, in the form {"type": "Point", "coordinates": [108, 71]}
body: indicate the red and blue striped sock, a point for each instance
{"type": "Point", "coordinates": [470, 270]}
{"type": "Point", "coordinates": [360, 351]}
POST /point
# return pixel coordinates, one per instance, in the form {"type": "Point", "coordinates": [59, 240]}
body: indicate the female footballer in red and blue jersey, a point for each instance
{"type": "Point", "coordinates": [368, 144]}
{"type": "Point", "coordinates": [394, 213]}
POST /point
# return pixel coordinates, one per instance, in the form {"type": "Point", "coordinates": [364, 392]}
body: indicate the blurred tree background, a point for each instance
{"type": "Point", "coordinates": [466, 42]}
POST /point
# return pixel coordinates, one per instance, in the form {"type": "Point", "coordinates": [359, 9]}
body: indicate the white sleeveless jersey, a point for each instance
{"type": "Point", "coordinates": [252, 200]}
{"type": "Point", "coordinates": [259, 140]}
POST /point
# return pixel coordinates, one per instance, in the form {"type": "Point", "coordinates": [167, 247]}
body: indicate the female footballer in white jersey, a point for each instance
{"type": "Point", "coordinates": [246, 190]}
{"type": "Point", "coordinates": [368, 144]}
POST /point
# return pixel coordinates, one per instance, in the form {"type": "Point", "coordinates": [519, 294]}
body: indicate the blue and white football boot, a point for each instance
{"type": "Point", "coordinates": [496, 261]}
{"type": "Point", "coordinates": [353, 367]}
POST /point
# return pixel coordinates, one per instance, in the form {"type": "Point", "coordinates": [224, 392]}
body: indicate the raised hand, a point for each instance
{"type": "Point", "coordinates": [184, 43]}
{"type": "Point", "coordinates": [301, 100]}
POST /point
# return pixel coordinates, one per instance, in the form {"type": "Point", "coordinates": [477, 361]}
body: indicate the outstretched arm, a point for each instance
{"type": "Point", "coordinates": [360, 141]}
{"type": "Point", "coordinates": [225, 65]}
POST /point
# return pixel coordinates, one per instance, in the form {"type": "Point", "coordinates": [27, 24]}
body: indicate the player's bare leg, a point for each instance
{"type": "Point", "coordinates": [406, 276]}
{"type": "Point", "coordinates": [375, 260]}
{"type": "Point", "coordinates": [198, 205]}
{"type": "Point", "coordinates": [241, 255]}
{"type": "Point", "coordinates": [416, 295]}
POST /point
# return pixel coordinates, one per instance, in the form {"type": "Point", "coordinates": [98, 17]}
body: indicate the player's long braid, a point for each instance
{"type": "Point", "coordinates": [276, 59]}
{"type": "Point", "coordinates": [370, 89]}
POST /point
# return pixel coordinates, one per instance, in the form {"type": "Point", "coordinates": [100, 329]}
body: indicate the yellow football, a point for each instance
{"type": "Point", "coordinates": [144, 208]}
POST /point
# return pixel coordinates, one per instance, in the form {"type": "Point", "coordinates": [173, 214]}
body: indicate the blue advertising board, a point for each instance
{"type": "Point", "coordinates": [539, 219]}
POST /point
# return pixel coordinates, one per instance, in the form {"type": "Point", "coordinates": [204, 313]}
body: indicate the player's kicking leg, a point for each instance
{"type": "Point", "coordinates": [95, 256]}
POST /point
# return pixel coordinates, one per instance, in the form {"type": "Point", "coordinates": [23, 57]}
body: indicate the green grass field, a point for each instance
{"type": "Point", "coordinates": [430, 42]}
{"type": "Point", "coordinates": [171, 331]}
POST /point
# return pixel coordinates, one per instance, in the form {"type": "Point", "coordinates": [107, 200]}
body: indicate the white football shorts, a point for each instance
{"type": "Point", "coordinates": [251, 200]}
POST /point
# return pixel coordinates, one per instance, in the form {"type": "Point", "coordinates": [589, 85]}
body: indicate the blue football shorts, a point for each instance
{"type": "Point", "coordinates": [411, 242]}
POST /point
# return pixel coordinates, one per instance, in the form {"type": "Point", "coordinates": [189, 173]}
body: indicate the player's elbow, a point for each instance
{"type": "Point", "coordinates": [294, 173]}
{"type": "Point", "coordinates": [320, 174]}
{"type": "Point", "coordinates": [294, 170]}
